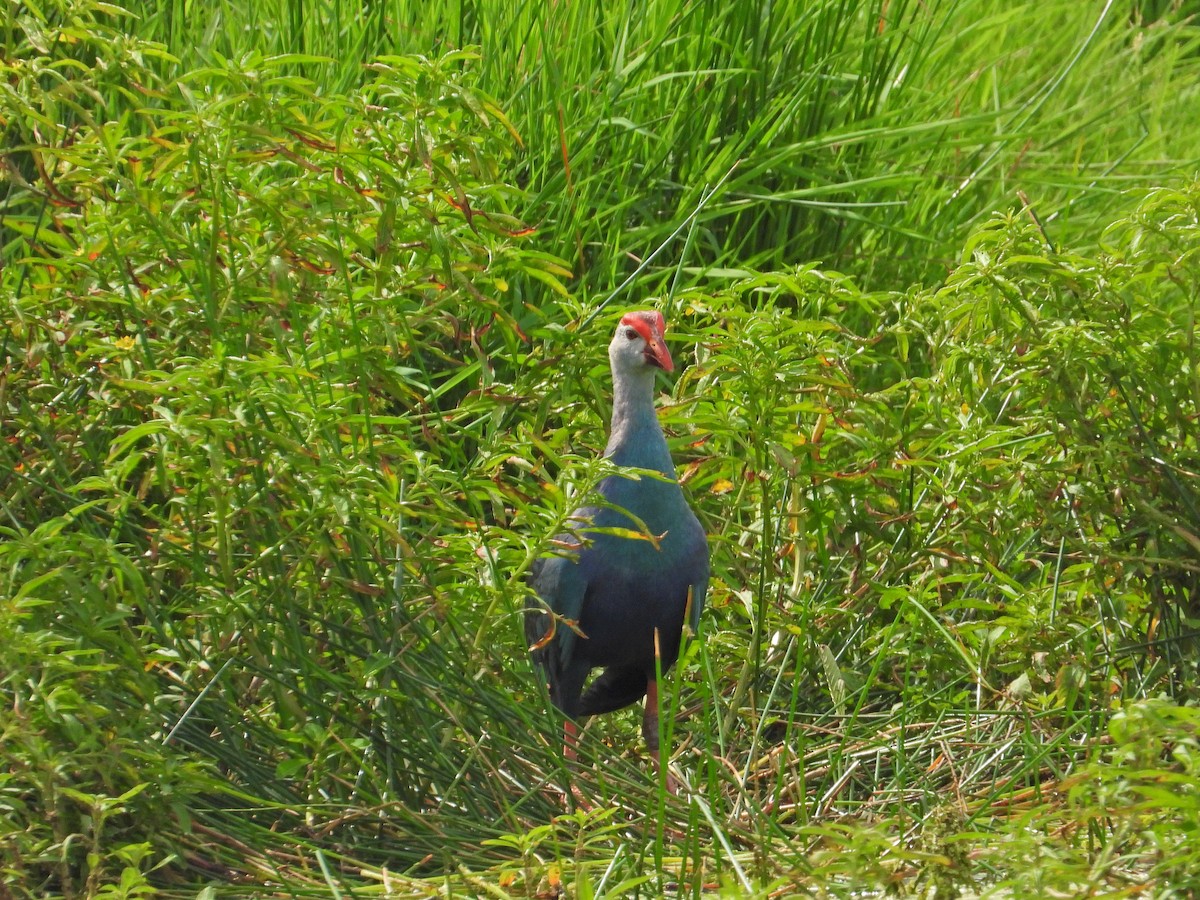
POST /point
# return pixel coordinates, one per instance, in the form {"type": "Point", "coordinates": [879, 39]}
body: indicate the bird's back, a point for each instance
{"type": "Point", "coordinates": [630, 585]}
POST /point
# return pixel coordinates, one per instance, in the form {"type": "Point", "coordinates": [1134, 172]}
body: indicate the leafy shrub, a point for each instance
{"type": "Point", "coordinates": [232, 341]}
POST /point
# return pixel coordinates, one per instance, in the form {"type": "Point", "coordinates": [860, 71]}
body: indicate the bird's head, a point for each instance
{"type": "Point", "coordinates": [638, 343]}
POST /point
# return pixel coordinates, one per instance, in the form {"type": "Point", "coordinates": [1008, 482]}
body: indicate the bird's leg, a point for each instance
{"type": "Point", "coordinates": [650, 731]}
{"type": "Point", "coordinates": [570, 754]}
{"type": "Point", "coordinates": [570, 740]}
{"type": "Point", "coordinates": [650, 719]}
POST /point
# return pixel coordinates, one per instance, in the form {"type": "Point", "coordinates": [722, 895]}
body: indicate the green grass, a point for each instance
{"type": "Point", "coordinates": [303, 365]}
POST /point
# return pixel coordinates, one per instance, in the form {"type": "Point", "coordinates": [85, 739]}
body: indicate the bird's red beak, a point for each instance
{"type": "Point", "coordinates": [657, 353]}
{"type": "Point", "coordinates": [650, 326]}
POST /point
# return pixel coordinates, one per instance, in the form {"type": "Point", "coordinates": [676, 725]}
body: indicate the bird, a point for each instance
{"type": "Point", "coordinates": [620, 601]}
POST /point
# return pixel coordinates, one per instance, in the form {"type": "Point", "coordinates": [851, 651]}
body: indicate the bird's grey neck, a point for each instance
{"type": "Point", "coordinates": [635, 429]}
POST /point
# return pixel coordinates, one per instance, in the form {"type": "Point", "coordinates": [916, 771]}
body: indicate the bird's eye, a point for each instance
{"type": "Point", "coordinates": [631, 334]}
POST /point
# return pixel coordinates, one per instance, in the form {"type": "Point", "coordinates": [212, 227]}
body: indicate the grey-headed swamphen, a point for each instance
{"type": "Point", "coordinates": [620, 601]}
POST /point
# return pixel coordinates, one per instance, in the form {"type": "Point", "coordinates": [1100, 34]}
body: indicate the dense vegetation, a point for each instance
{"type": "Point", "coordinates": [305, 309]}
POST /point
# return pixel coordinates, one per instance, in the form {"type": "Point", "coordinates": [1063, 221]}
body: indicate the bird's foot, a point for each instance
{"type": "Point", "coordinates": [571, 799]}
{"type": "Point", "coordinates": [582, 803]}
{"type": "Point", "coordinates": [673, 784]}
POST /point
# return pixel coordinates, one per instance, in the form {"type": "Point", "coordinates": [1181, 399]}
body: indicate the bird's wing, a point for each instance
{"type": "Point", "coordinates": [562, 585]}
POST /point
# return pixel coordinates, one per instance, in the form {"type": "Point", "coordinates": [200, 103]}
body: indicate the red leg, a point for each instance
{"type": "Point", "coordinates": [650, 720]}
{"type": "Point", "coordinates": [570, 754]}
{"type": "Point", "coordinates": [570, 739]}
